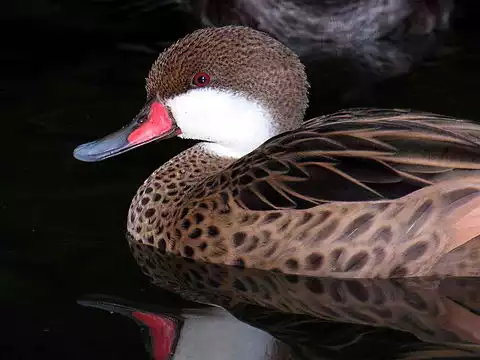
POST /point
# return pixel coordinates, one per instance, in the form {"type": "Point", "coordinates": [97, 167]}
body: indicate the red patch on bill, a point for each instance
{"type": "Point", "coordinates": [162, 332]}
{"type": "Point", "coordinates": [157, 124]}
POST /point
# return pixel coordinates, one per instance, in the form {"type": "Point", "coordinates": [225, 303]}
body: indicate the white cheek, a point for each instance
{"type": "Point", "coordinates": [235, 124]}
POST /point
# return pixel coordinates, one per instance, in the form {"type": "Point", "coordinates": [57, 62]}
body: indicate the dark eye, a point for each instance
{"type": "Point", "coordinates": [201, 79]}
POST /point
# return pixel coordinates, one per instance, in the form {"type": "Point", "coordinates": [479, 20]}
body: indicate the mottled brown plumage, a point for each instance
{"type": "Point", "coordinates": [358, 193]}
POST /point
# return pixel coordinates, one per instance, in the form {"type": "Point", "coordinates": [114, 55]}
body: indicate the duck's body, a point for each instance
{"type": "Point", "coordinates": [361, 193]}
{"type": "Point", "coordinates": [340, 196]}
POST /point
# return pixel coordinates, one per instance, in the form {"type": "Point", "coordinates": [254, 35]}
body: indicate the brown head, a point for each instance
{"type": "Point", "coordinates": [232, 87]}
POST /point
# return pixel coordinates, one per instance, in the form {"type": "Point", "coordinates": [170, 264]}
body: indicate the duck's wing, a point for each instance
{"type": "Point", "coordinates": [354, 155]}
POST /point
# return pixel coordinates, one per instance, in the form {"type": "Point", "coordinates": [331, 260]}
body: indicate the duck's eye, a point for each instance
{"type": "Point", "coordinates": [201, 79]}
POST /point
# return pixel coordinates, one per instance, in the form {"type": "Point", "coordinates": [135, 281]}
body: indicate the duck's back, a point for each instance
{"type": "Point", "coordinates": [355, 155]}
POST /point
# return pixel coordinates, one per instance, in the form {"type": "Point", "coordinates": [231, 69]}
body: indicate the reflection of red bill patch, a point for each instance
{"type": "Point", "coordinates": [162, 331]}
{"type": "Point", "coordinates": [158, 123]}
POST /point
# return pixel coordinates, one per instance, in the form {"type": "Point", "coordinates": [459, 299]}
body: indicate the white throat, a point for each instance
{"type": "Point", "coordinates": [232, 124]}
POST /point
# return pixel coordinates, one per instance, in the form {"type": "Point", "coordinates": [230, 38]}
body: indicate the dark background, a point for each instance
{"type": "Point", "coordinates": [74, 71]}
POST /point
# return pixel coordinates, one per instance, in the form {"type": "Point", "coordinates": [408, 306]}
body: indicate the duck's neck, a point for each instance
{"type": "Point", "coordinates": [168, 187]}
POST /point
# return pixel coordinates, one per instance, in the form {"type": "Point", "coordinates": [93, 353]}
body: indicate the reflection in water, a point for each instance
{"type": "Point", "coordinates": [303, 24]}
{"type": "Point", "coordinates": [314, 318]}
{"type": "Point", "coordinates": [210, 333]}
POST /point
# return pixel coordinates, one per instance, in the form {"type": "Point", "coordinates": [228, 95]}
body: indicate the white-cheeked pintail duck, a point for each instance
{"type": "Point", "coordinates": [358, 193]}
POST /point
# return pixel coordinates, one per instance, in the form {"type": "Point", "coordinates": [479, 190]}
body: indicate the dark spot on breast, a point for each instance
{"type": "Point", "coordinates": [314, 261]}
{"type": "Point", "coordinates": [212, 231]}
{"type": "Point", "coordinates": [326, 231]}
{"type": "Point", "coordinates": [315, 285]}
{"type": "Point", "coordinates": [383, 235]}
{"type": "Point", "coordinates": [382, 206]}
{"type": "Point", "coordinates": [291, 264]}
{"type": "Point", "coordinates": [203, 246]}
{"type": "Point", "coordinates": [266, 235]}
{"type": "Point", "coordinates": [335, 257]}
{"type": "Point", "coordinates": [149, 239]}
{"type": "Point", "coordinates": [195, 234]}
{"type": "Point", "coordinates": [378, 255]}
{"type": "Point", "coordinates": [145, 201]}
{"type": "Point", "coordinates": [461, 195]}
{"type": "Point", "coordinates": [271, 217]}
{"type": "Point", "coordinates": [271, 251]}
{"type": "Point", "coordinates": [188, 251]}
{"type": "Point", "coordinates": [419, 217]}
{"type": "Point", "coordinates": [184, 213]}
{"type": "Point", "coordinates": [199, 218]}
{"type": "Point", "coordinates": [253, 244]}
{"type": "Point", "coordinates": [303, 235]}
{"type": "Point", "coordinates": [186, 224]}
{"type": "Point", "coordinates": [305, 218]}
{"type": "Point", "coordinates": [415, 251]}
{"type": "Point", "coordinates": [358, 227]}
{"type": "Point", "coordinates": [224, 197]}
{"type": "Point", "coordinates": [398, 271]}
{"type": "Point", "coordinates": [239, 238]}
{"type": "Point", "coordinates": [148, 190]}
{"type": "Point", "coordinates": [285, 225]}
{"type": "Point", "coordinates": [138, 229]}
{"type": "Point", "coordinates": [239, 285]}
{"type": "Point", "coordinates": [244, 219]}
{"type": "Point", "coordinates": [157, 197]}
{"type": "Point", "coordinates": [357, 261]}
{"type": "Point", "coordinates": [203, 206]}
{"type": "Point", "coordinates": [225, 209]}
{"type": "Point", "coordinates": [357, 290]}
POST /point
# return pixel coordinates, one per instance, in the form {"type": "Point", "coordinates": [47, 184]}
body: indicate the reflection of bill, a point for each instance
{"type": "Point", "coordinates": [209, 333]}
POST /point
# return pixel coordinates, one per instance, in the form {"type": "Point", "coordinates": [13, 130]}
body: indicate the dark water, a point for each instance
{"type": "Point", "coordinates": [70, 75]}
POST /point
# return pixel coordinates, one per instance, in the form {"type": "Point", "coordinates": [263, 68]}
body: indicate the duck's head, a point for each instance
{"type": "Point", "coordinates": [232, 87]}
